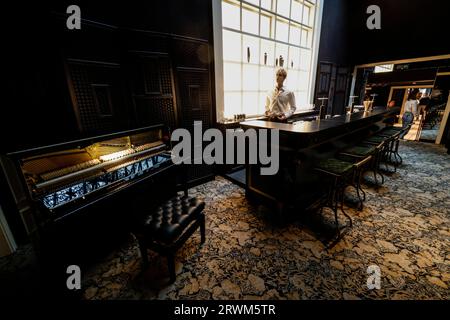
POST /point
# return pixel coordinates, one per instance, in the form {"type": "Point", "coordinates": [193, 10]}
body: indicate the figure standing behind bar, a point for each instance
{"type": "Point", "coordinates": [410, 111]}
{"type": "Point", "coordinates": [280, 102]}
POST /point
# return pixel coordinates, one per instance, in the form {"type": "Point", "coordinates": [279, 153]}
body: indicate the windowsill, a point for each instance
{"type": "Point", "coordinates": [263, 117]}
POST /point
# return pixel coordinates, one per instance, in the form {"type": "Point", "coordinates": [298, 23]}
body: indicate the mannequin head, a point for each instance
{"type": "Point", "coordinates": [280, 77]}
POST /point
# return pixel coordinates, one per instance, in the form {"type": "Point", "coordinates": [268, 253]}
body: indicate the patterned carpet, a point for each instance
{"type": "Point", "coordinates": [404, 229]}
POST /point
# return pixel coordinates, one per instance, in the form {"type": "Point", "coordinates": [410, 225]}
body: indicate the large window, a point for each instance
{"type": "Point", "coordinates": [258, 36]}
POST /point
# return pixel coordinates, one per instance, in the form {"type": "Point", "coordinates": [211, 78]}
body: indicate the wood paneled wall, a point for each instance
{"type": "Point", "coordinates": [130, 65]}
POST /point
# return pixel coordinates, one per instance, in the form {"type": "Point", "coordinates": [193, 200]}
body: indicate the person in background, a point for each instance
{"type": "Point", "coordinates": [280, 102]}
{"type": "Point", "coordinates": [393, 117]}
{"type": "Point", "coordinates": [424, 104]}
{"type": "Point", "coordinates": [391, 104]}
{"type": "Point", "coordinates": [418, 97]}
{"type": "Point", "coordinates": [409, 112]}
{"type": "Point", "coordinates": [367, 103]}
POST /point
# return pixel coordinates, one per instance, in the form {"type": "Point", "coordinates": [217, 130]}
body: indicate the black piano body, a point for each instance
{"type": "Point", "coordinates": [79, 199]}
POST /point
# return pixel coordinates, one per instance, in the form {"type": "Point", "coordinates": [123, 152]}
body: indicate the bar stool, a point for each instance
{"type": "Point", "coordinates": [340, 173]}
{"type": "Point", "coordinates": [395, 133]}
{"type": "Point", "coordinates": [363, 159]}
{"type": "Point", "coordinates": [394, 137]}
{"type": "Point", "coordinates": [381, 143]}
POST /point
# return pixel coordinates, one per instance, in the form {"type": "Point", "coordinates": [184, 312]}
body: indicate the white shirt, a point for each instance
{"type": "Point", "coordinates": [411, 106]}
{"type": "Point", "coordinates": [281, 101]}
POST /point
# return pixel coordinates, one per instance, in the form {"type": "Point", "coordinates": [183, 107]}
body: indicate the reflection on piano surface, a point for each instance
{"type": "Point", "coordinates": [126, 171]}
{"type": "Point", "coordinates": [78, 174]}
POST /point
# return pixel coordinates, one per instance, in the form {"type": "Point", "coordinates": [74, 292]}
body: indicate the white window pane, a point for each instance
{"type": "Point", "coordinates": [232, 101]}
{"type": "Point", "coordinates": [250, 54]}
{"type": "Point", "coordinates": [250, 21]}
{"type": "Point", "coordinates": [231, 76]}
{"type": "Point", "coordinates": [250, 103]}
{"type": "Point", "coordinates": [304, 39]}
{"type": "Point", "coordinates": [296, 11]}
{"type": "Point", "coordinates": [294, 34]}
{"type": "Point", "coordinates": [231, 46]}
{"type": "Point", "coordinates": [306, 13]}
{"type": "Point", "coordinates": [304, 80]}
{"type": "Point", "coordinates": [305, 59]}
{"type": "Point", "coordinates": [292, 80]}
{"type": "Point", "coordinates": [250, 74]}
{"type": "Point", "coordinates": [294, 58]}
{"type": "Point", "coordinates": [262, 102]}
{"type": "Point", "coordinates": [302, 100]}
{"type": "Point", "coordinates": [309, 41]}
{"type": "Point", "coordinates": [266, 26]}
{"type": "Point", "coordinates": [266, 78]}
{"type": "Point", "coordinates": [282, 31]}
{"type": "Point", "coordinates": [255, 2]}
{"type": "Point", "coordinates": [311, 17]}
{"type": "Point", "coordinates": [281, 53]}
{"type": "Point", "coordinates": [266, 4]}
{"type": "Point", "coordinates": [267, 53]}
{"type": "Point", "coordinates": [230, 16]}
{"type": "Point", "coordinates": [297, 100]}
{"type": "Point", "coordinates": [283, 7]}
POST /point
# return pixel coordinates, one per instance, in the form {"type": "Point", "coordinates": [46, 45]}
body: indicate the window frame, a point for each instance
{"type": "Point", "coordinates": [313, 48]}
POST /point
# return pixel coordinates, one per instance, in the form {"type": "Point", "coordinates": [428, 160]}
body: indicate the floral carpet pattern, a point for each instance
{"type": "Point", "coordinates": [404, 229]}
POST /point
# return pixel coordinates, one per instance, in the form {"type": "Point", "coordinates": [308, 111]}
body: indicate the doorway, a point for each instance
{"type": "Point", "coordinates": [435, 121]}
{"type": "Point", "coordinates": [399, 94]}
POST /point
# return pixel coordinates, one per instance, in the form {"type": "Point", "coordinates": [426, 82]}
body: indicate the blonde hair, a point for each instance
{"type": "Point", "coordinates": [281, 71]}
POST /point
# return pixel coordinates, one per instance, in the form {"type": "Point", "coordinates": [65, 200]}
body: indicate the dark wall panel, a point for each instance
{"type": "Point", "coordinates": [334, 36]}
{"type": "Point", "coordinates": [409, 29]}
{"type": "Point", "coordinates": [191, 18]}
{"type": "Point", "coordinates": [122, 70]}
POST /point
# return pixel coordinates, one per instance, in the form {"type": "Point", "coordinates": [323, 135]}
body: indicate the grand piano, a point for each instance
{"type": "Point", "coordinates": [78, 198]}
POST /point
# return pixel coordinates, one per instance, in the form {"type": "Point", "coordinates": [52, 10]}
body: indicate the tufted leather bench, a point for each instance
{"type": "Point", "coordinates": [168, 227]}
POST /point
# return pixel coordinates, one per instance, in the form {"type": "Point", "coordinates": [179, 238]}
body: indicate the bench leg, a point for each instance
{"type": "Point", "coordinates": [171, 266]}
{"type": "Point", "coordinates": [144, 254]}
{"type": "Point", "coordinates": [202, 229]}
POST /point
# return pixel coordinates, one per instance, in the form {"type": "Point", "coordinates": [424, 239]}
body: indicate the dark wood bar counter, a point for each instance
{"type": "Point", "coordinates": [302, 145]}
{"type": "Point", "coordinates": [316, 131]}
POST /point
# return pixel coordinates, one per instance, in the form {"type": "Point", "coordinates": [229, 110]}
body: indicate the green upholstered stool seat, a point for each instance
{"type": "Point", "coordinates": [375, 139]}
{"type": "Point", "coordinates": [389, 133]}
{"type": "Point", "coordinates": [395, 128]}
{"type": "Point", "coordinates": [335, 166]}
{"type": "Point", "coordinates": [360, 151]}
{"type": "Point", "coordinates": [340, 173]}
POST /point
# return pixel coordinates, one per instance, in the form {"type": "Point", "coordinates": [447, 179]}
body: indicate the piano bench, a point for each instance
{"type": "Point", "coordinates": [169, 226]}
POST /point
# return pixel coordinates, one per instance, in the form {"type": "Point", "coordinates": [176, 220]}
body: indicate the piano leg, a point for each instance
{"type": "Point", "coordinates": [144, 254]}
{"type": "Point", "coordinates": [202, 229]}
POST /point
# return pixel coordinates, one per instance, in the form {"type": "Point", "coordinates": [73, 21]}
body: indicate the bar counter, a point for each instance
{"type": "Point", "coordinates": [302, 127]}
{"type": "Point", "coordinates": [302, 144]}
